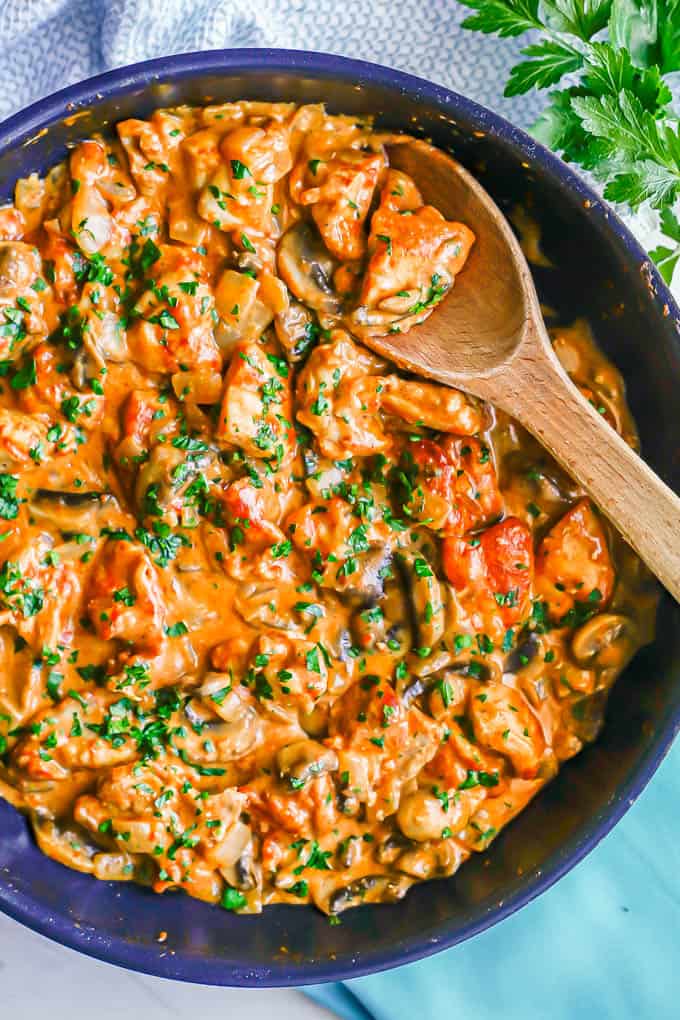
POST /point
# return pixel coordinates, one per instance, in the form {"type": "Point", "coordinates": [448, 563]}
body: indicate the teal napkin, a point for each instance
{"type": "Point", "coordinates": [602, 944]}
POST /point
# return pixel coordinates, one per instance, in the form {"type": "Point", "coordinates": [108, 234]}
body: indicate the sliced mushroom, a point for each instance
{"type": "Point", "coordinates": [216, 690]}
{"type": "Point", "coordinates": [307, 268]}
{"type": "Point", "coordinates": [366, 584]}
{"type": "Point", "coordinates": [77, 511]}
{"type": "Point", "coordinates": [350, 851]}
{"type": "Point", "coordinates": [246, 872]}
{"type": "Point", "coordinates": [315, 723]}
{"type": "Point", "coordinates": [237, 858]}
{"type": "Point", "coordinates": [427, 862]}
{"type": "Point", "coordinates": [103, 340]}
{"type": "Point", "coordinates": [422, 816]}
{"type": "Point", "coordinates": [486, 670]}
{"type": "Point", "coordinates": [410, 688]}
{"type": "Point", "coordinates": [124, 867]}
{"type": "Point", "coordinates": [164, 479]}
{"type": "Point", "coordinates": [392, 847]}
{"type": "Point", "coordinates": [69, 844]}
{"type": "Point", "coordinates": [304, 760]}
{"type": "Point", "coordinates": [342, 646]}
{"type": "Point", "coordinates": [587, 715]}
{"type": "Point", "coordinates": [295, 330]}
{"type": "Point", "coordinates": [368, 889]}
{"type": "Point", "coordinates": [425, 667]}
{"type": "Point", "coordinates": [522, 655]}
{"type": "Point", "coordinates": [77, 499]}
{"type": "Point", "coordinates": [608, 639]}
{"type": "Point", "coordinates": [234, 733]}
{"type": "Point", "coordinates": [381, 619]}
{"type": "Point", "coordinates": [448, 693]}
{"type": "Point", "coordinates": [425, 594]}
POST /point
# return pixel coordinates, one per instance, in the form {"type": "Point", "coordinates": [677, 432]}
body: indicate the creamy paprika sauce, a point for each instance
{"type": "Point", "coordinates": [278, 623]}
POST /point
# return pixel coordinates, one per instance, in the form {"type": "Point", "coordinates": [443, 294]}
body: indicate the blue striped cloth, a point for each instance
{"type": "Point", "coordinates": [602, 943]}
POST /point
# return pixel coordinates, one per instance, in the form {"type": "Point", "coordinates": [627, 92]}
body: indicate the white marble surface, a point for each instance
{"type": "Point", "coordinates": [38, 978]}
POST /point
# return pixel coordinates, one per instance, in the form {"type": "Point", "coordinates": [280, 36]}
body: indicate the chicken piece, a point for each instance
{"type": "Point", "coordinates": [91, 220]}
{"type": "Point", "coordinates": [332, 534]}
{"type": "Point", "coordinates": [263, 153]}
{"type": "Point", "coordinates": [377, 735]}
{"type": "Point", "coordinates": [457, 757]}
{"type": "Point", "coordinates": [173, 329]}
{"type": "Point", "coordinates": [124, 600]}
{"type": "Point", "coordinates": [39, 593]}
{"type": "Point", "coordinates": [290, 672]}
{"type": "Point", "coordinates": [305, 812]}
{"type": "Point", "coordinates": [235, 297]}
{"type": "Point", "coordinates": [415, 255]}
{"type": "Point", "coordinates": [40, 198]}
{"type": "Point", "coordinates": [12, 223]}
{"type": "Point", "coordinates": [225, 117]}
{"type": "Point", "coordinates": [240, 207]}
{"type": "Point", "coordinates": [253, 546]}
{"type": "Point", "coordinates": [77, 733]}
{"type": "Point", "coordinates": [453, 484]}
{"type": "Point", "coordinates": [493, 573]}
{"type": "Point", "coordinates": [19, 435]}
{"type": "Point", "coordinates": [49, 392]}
{"type": "Point", "coordinates": [152, 809]}
{"type": "Point", "coordinates": [503, 721]}
{"type": "Point", "coordinates": [184, 223]}
{"type": "Point", "coordinates": [144, 414]}
{"type": "Point", "coordinates": [340, 193]}
{"type": "Point", "coordinates": [434, 406]}
{"type": "Point", "coordinates": [256, 413]}
{"type": "Point", "coordinates": [103, 195]}
{"type": "Point", "coordinates": [150, 147]}
{"type": "Point", "coordinates": [323, 528]}
{"type": "Point", "coordinates": [59, 259]}
{"type": "Point", "coordinates": [254, 510]}
{"type": "Point", "coordinates": [22, 313]}
{"type": "Point", "coordinates": [573, 564]}
{"type": "Point", "coordinates": [240, 194]}
{"type": "Point", "coordinates": [201, 153]}
{"type": "Point", "coordinates": [338, 393]}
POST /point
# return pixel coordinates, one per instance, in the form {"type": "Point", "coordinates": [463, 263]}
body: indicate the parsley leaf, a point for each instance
{"type": "Point", "coordinates": [549, 62]}
{"type": "Point", "coordinates": [614, 117]}
{"type": "Point", "coordinates": [9, 504]}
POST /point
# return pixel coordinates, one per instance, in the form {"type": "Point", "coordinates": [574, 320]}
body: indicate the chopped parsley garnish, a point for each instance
{"type": "Point", "coordinates": [9, 504]}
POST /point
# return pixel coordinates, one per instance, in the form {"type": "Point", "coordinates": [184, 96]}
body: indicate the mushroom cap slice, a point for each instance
{"type": "Point", "coordinates": [605, 640]}
{"type": "Point", "coordinates": [307, 269]}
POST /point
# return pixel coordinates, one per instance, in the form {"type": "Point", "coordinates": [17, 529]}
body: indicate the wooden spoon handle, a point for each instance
{"type": "Point", "coordinates": [536, 390]}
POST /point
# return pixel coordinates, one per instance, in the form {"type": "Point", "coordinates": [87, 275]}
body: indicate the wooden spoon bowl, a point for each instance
{"type": "Point", "coordinates": [488, 337]}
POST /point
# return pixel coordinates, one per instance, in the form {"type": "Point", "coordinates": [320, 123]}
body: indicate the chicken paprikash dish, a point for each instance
{"type": "Point", "coordinates": [279, 623]}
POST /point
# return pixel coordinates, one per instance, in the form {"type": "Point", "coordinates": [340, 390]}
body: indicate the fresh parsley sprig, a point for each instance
{"type": "Point", "coordinates": [614, 117]}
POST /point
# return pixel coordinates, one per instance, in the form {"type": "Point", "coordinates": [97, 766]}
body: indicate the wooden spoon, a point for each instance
{"type": "Point", "coordinates": [488, 338]}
